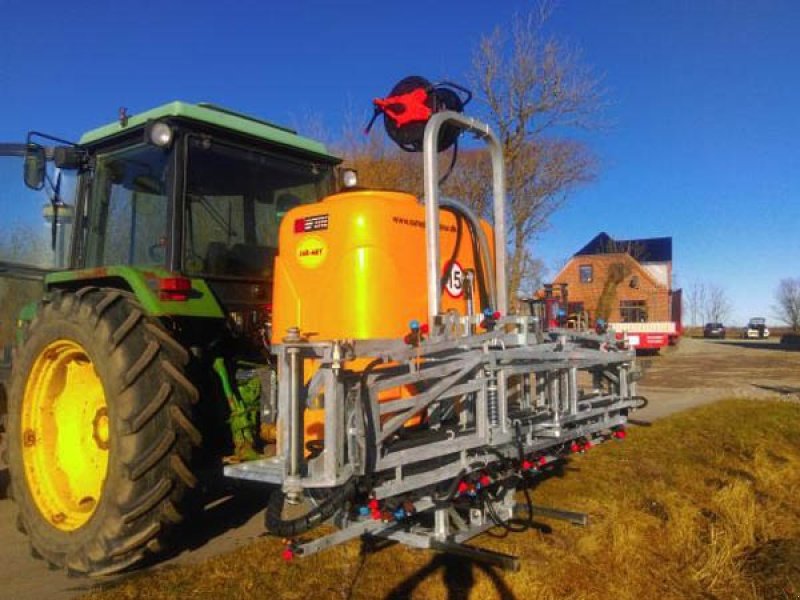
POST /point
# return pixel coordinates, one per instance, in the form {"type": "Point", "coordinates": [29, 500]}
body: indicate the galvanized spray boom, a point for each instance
{"type": "Point", "coordinates": [490, 400]}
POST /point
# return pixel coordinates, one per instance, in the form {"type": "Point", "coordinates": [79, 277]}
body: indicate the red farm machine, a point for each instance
{"type": "Point", "coordinates": [207, 293]}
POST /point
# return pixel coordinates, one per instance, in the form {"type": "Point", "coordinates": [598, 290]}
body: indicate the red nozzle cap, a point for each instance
{"type": "Point", "coordinates": [287, 554]}
{"type": "Point", "coordinates": [575, 447]}
{"type": "Point", "coordinates": [527, 465]}
{"type": "Point", "coordinates": [373, 504]}
{"type": "Point", "coordinates": [496, 315]}
{"type": "Point", "coordinates": [542, 460]}
{"type": "Point", "coordinates": [424, 328]}
{"type": "Point", "coordinates": [462, 487]}
{"type": "Point", "coordinates": [485, 480]}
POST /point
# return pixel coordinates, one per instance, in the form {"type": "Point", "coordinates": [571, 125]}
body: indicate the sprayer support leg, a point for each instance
{"type": "Point", "coordinates": [576, 518]}
{"type": "Point", "coordinates": [489, 557]}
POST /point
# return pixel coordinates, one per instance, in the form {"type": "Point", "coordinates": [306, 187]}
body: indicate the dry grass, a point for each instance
{"type": "Point", "coordinates": [705, 504]}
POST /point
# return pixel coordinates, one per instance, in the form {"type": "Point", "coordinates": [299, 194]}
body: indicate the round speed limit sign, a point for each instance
{"type": "Point", "coordinates": [454, 280]}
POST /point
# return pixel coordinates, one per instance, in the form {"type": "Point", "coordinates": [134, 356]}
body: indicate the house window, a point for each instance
{"type": "Point", "coordinates": [633, 311]}
{"type": "Point", "coordinates": [586, 273]}
{"type": "Point", "coordinates": [575, 307]}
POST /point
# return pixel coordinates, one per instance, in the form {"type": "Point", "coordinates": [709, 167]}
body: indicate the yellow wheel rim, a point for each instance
{"type": "Point", "coordinates": [65, 435]}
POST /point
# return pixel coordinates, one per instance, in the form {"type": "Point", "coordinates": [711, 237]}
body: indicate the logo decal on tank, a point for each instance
{"type": "Point", "coordinates": [311, 252]}
{"type": "Point", "coordinates": [309, 224]}
{"type": "Point", "coordinates": [454, 279]}
{"type": "Point", "coordinates": [421, 224]}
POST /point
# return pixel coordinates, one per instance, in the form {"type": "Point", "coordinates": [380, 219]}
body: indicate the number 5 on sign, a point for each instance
{"type": "Point", "coordinates": [454, 279]}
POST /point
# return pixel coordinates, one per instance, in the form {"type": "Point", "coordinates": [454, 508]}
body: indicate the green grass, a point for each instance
{"type": "Point", "coordinates": [704, 504]}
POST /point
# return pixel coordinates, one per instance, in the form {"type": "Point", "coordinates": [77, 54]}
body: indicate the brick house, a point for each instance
{"type": "Point", "coordinates": [622, 280]}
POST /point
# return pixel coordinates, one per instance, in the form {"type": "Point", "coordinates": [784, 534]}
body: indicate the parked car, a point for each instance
{"type": "Point", "coordinates": [756, 328]}
{"type": "Point", "coordinates": [714, 330]}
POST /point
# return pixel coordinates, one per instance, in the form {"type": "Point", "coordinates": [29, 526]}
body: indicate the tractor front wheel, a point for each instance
{"type": "Point", "coordinates": [100, 433]}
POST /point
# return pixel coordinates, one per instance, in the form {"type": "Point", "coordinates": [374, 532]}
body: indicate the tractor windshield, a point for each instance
{"type": "Point", "coordinates": [235, 200]}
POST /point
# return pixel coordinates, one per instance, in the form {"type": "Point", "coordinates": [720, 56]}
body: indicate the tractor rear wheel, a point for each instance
{"type": "Point", "coordinates": [100, 431]}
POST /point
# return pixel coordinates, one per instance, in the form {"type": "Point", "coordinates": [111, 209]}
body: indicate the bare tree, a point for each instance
{"type": "Point", "coordinates": [535, 89]}
{"type": "Point", "coordinates": [717, 307]}
{"type": "Point", "coordinates": [787, 297]}
{"type": "Point", "coordinates": [381, 165]}
{"type": "Point", "coordinates": [532, 280]}
{"type": "Point", "coordinates": [696, 302]}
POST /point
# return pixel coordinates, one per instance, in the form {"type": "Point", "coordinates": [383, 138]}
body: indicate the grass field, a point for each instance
{"type": "Point", "coordinates": [704, 504]}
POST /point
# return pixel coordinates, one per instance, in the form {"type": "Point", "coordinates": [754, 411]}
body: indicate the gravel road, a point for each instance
{"type": "Point", "coordinates": [701, 371]}
{"type": "Point", "coordinates": [696, 372]}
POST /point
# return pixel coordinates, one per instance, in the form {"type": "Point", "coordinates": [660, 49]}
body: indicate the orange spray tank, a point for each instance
{"type": "Point", "coordinates": [353, 266]}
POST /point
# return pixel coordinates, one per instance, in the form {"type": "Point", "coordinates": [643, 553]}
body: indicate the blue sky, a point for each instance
{"type": "Point", "coordinates": [703, 96]}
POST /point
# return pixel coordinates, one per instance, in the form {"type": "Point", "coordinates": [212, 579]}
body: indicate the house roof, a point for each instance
{"type": "Point", "coordinates": [644, 250]}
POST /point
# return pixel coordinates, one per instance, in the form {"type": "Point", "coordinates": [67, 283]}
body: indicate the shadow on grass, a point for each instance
{"type": "Point", "coordinates": [459, 572]}
{"type": "Point", "coordinates": [459, 578]}
{"type": "Point", "coordinates": [5, 480]}
{"type": "Point", "coordinates": [786, 390]}
{"type": "Point", "coordinates": [760, 345]}
{"type": "Point", "coordinates": [224, 506]}
{"type": "Point", "coordinates": [648, 352]}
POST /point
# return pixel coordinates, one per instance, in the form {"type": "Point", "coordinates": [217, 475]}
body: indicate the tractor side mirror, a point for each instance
{"type": "Point", "coordinates": [34, 167]}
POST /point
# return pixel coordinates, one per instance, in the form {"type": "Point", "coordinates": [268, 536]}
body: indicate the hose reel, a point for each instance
{"type": "Point", "coordinates": [409, 106]}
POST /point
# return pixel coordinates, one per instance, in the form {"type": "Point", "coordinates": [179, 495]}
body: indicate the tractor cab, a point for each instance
{"type": "Point", "coordinates": [185, 192]}
{"type": "Point", "coordinates": [195, 189]}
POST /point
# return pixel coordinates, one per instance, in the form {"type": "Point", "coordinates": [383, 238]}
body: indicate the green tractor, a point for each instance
{"type": "Point", "coordinates": [141, 299]}
{"type": "Point", "coordinates": [143, 284]}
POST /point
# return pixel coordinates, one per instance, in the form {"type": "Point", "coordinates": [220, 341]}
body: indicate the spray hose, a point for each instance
{"type": "Point", "coordinates": [289, 528]}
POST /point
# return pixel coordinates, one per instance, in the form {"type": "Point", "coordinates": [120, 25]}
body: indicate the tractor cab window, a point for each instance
{"type": "Point", "coordinates": [235, 200]}
{"type": "Point", "coordinates": [128, 208]}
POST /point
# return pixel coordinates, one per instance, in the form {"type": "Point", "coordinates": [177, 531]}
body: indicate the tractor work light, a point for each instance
{"type": "Point", "coordinates": [158, 133]}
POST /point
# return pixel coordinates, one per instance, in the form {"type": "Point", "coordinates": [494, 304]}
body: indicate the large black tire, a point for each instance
{"type": "Point", "coordinates": [149, 437]}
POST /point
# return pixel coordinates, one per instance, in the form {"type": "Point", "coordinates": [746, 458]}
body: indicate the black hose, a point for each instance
{"type": "Point", "coordinates": [481, 257]}
{"type": "Point", "coordinates": [459, 234]}
{"type": "Point", "coordinates": [370, 458]}
{"type": "Point", "coordinates": [453, 160]}
{"type": "Point", "coordinates": [451, 490]}
{"type": "Point", "coordinates": [289, 528]}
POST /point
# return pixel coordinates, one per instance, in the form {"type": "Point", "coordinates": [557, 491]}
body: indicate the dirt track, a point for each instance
{"type": "Point", "coordinates": [701, 371]}
{"type": "Point", "coordinates": [697, 372]}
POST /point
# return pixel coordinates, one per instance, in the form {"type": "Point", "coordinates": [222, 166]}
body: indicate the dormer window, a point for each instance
{"type": "Point", "coordinates": [586, 273]}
